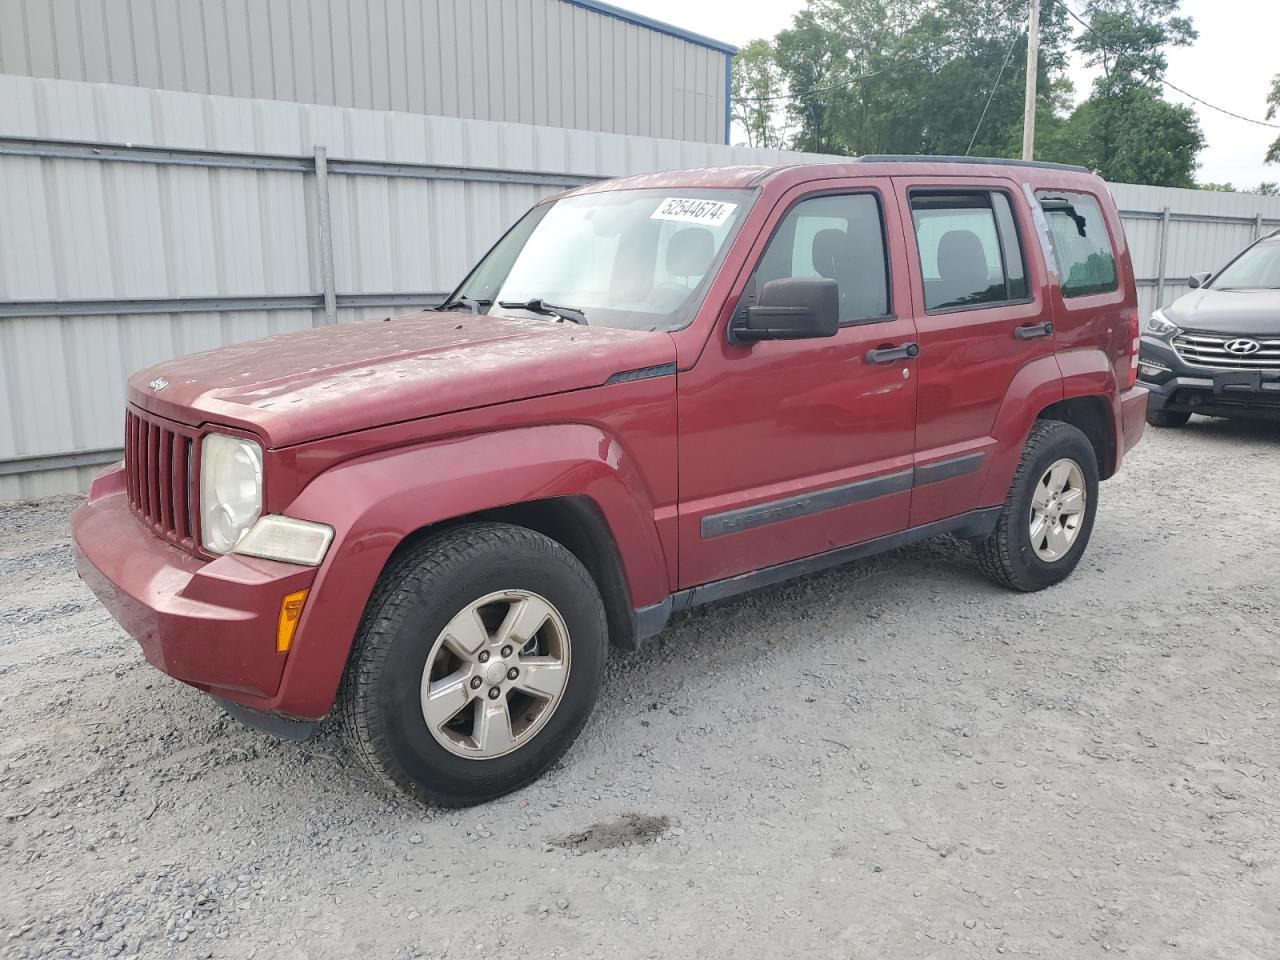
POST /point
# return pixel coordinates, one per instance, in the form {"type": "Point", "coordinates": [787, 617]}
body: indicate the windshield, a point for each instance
{"type": "Point", "coordinates": [639, 259]}
{"type": "Point", "coordinates": [1256, 268]}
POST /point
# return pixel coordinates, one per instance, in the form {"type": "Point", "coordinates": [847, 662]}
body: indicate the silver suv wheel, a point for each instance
{"type": "Point", "coordinates": [1057, 509]}
{"type": "Point", "coordinates": [496, 674]}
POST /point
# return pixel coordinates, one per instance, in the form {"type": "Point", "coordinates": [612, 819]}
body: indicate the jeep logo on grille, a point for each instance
{"type": "Point", "coordinates": [159, 383]}
{"type": "Point", "coordinates": [1243, 347]}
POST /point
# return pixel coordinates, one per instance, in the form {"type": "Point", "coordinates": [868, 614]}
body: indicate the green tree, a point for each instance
{"type": "Point", "coordinates": [1126, 130]}
{"type": "Point", "coordinates": [896, 76]}
{"type": "Point", "coordinates": [1137, 137]}
{"type": "Point", "coordinates": [1273, 110]}
{"type": "Point", "coordinates": [756, 90]}
{"type": "Point", "coordinates": [1127, 39]}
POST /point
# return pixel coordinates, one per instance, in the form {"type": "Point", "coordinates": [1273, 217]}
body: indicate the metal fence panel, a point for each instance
{"type": "Point", "coordinates": [481, 59]}
{"type": "Point", "coordinates": [204, 213]}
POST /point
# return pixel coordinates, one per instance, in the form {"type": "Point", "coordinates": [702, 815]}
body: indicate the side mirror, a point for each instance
{"type": "Point", "coordinates": [791, 308]}
{"type": "Point", "coordinates": [1199, 279]}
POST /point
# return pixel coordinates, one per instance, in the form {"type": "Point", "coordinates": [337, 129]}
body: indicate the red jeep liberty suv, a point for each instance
{"type": "Point", "coordinates": [652, 393]}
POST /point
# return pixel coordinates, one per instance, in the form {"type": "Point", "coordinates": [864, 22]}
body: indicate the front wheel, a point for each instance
{"type": "Point", "coordinates": [1048, 515]}
{"type": "Point", "coordinates": [476, 665]}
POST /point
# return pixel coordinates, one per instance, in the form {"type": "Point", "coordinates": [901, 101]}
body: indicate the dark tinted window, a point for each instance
{"type": "Point", "coordinates": [1086, 262]}
{"type": "Point", "coordinates": [970, 251]}
{"type": "Point", "coordinates": [838, 237]}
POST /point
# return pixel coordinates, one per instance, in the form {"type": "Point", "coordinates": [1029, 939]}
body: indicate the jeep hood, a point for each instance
{"type": "Point", "coordinates": [1250, 313]}
{"type": "Point", "coordinates": [332, 380]}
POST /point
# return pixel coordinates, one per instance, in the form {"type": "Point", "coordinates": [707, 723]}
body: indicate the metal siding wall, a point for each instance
{"type": "Point", "coordinates": [532, 61]}
{"type": "Point", "coordinates": [105, 229]}
{"type": "Point", "coordinates": [1192, 245]}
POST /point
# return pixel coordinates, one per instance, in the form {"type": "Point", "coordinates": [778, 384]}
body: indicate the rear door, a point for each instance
{"type": "Point", "coordinates": [793, 448]}
{"type": "Point", "coordinates": [980, 314]}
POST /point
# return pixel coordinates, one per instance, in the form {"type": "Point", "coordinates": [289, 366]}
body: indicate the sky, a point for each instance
{"type": "Point", "coordinates": [1230, 65]}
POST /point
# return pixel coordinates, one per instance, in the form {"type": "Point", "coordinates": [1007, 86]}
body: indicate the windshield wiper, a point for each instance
{"type": "Point", "coordinates": [472, 305]}
{"type": "Point", "coordinates": [538, 305]}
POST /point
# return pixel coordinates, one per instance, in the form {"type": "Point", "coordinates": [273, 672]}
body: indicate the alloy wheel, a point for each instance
{"type": "Point", "coordinates": [496, 674]}
{"type": "Point", "coordinates": [1057, 510]}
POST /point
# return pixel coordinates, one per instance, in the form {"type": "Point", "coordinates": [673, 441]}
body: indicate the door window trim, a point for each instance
{"type": "Point", "coordinates": [1001, 240]}
{"type": "Point", "coordinates": [877, 194]}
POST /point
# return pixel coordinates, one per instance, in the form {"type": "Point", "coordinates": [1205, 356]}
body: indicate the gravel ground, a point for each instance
{"type": "Point", "coordinates": [890, 760]}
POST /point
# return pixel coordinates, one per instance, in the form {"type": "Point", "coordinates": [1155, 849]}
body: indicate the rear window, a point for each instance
{"type": "Point", "coordinates": [970, 252]}
{"type": "Point", "coordinates": [1081, 245]}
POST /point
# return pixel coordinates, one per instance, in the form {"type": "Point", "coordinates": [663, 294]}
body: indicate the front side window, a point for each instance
{"type": "Point", "coordinates": [970, 251]}
{"type": "Point", "coordinates": [840, 237]}
{"type": "Point", "coordinates": [640, 259]}
{"type": "Point", "coordinates": [1258, 268]}
{"type": "Point", "coordinates": [1081, 245]}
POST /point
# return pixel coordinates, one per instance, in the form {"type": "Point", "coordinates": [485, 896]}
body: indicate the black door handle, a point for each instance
{"type": "Point", "coordinates": [1033, 330]}
{"type": "Point", "coordinates": [905, 351]}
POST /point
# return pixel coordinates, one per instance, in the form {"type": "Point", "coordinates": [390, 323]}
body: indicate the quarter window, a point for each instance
{"type": "Point", "coordinates": [1081, 245]}
{"type": "Point", "coordinates": [840, 237]}
{"type": "Point", "coordinates": [970, 252]}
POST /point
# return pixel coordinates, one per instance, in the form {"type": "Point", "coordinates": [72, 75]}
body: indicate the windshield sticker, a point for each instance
{"type": "Point", "coordinates": [709, 213]}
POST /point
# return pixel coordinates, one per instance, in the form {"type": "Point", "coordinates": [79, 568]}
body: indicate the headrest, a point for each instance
{"type": "Point", "coordinates": [961, 257]}
{"type": "Point", "coordinates": [829, 247]}
{"type": "Point", "coordinates": [690, 252]}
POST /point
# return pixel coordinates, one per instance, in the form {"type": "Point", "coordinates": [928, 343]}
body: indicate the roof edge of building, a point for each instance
{"type": "Point", "coordinates": [640, 20]}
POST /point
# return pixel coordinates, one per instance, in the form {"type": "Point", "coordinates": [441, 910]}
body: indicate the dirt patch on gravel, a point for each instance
{"type": "Point", "coordinates": [894, 760]}
{"type": "Point", "coordinates": [628, 829]}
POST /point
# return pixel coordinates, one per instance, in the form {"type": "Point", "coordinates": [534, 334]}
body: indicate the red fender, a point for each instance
{"type": "Point", "coordinates": [1034, 387]}
{"type": "Point", "coordinates": [1091, 373]}
{"type": "Point", "coordinates": [374, 502]}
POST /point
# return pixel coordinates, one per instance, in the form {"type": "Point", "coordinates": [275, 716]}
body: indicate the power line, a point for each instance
{"type": "Point", "coordinates": [991, 96]}
{"type": "Point", "coordinates": [1159, 78]}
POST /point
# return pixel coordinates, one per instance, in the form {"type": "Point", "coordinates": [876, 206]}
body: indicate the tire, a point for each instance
{"type": "Point", "coordinates": [1167, 418]}
{"type": "Point", "coordinates": [1008, 555]}
{"type": "Point", "coordinates": [437, 591]}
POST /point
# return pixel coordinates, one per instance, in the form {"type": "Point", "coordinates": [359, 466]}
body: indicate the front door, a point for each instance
{"type": "Point", "coordinates": [793, 448]}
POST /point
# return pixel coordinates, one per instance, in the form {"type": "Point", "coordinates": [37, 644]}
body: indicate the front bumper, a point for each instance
{"type": "Point", "coordinates": [1184, 388]}
{"type": "Point", "coordinates": [211, 624]}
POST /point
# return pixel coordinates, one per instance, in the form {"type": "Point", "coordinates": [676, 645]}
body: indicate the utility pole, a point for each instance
{"type": "Point", "coordinates": [1033, 63]}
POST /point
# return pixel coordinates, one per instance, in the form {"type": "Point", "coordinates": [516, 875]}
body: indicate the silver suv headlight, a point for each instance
{"type": "Point", "coordinates": [1161, 326]}
{"type": "Point", "coordinates": [230, 490]}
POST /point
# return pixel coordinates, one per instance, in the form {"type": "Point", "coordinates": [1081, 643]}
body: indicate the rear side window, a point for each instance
{"type": "Point", "coordinates": [840, 237]}
{"type": "Point", "coordinates": [1081, 245]}
{"type": "Point", "coordinates": [970, 251]}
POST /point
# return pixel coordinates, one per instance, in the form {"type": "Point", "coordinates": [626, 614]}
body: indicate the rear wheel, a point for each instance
{"type": "Point", "coordinates": [1167, 418]}
{"type": "Point", "coordinates": [1048, 515]}
{"type": "Point", "coordinates": [477, 663]}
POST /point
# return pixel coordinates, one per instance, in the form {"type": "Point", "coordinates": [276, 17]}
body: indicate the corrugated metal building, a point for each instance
{"type": "Point", "coordinates": [564, 63]}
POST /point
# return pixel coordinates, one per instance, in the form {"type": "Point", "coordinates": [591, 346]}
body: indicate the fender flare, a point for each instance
{"type": "Point", "coordinates": [375, 502]}
{"type": "Point", "coordinates": [1047, 380]}
{"type": "Point", "coordinates": [1035, 386]}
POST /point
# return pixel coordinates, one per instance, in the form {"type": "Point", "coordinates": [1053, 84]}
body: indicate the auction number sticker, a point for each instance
{"type": "Point", "coordinates": [709, 213]}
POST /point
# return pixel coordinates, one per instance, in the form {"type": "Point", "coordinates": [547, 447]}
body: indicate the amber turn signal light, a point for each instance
{"type": "Point", "coordinates": [290, 613]}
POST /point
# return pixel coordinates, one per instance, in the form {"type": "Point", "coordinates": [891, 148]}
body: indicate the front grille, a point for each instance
{"type": "Point", "coordinates": [158, 468]}
{"type": "Point", "coordinates": [1210, 350]}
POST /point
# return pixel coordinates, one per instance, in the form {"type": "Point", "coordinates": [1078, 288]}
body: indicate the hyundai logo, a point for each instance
{"type": "Point", "coordinates": [1243, 347]}
{"type": "Point", "coordinates": [159, 383]}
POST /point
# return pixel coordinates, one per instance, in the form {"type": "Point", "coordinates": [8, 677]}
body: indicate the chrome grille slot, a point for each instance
{"type": "Point", "coordinates": [1210, 350]}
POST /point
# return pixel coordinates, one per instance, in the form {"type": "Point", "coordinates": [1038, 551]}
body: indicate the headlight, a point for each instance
{"type": "Point", "coordinates": [230, 490]}
{"type": "Point", "coordinates": [1160, 325]}
{"type": "Point", "coordinates": [288, 540]}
